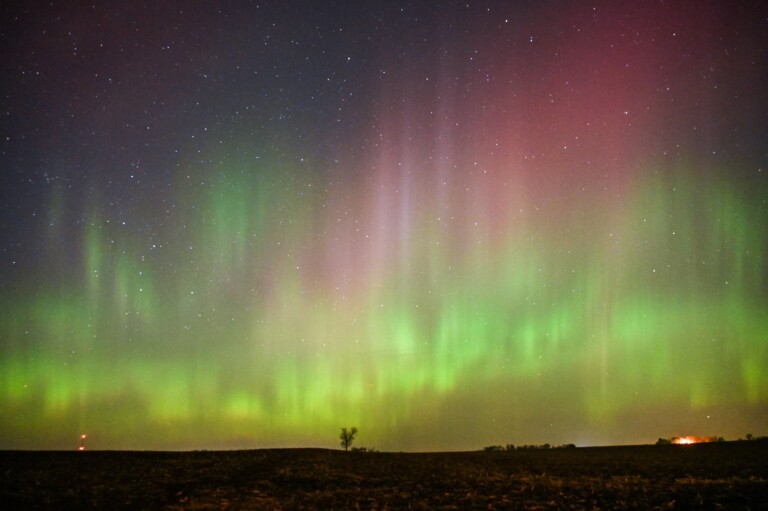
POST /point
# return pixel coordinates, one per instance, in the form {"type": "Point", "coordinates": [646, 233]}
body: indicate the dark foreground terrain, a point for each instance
{"type": "Point", "coordinates": [732, 475]}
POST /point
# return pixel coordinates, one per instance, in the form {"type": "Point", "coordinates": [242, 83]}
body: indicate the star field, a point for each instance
{"type": "Point", "coordinates": [451, 224]}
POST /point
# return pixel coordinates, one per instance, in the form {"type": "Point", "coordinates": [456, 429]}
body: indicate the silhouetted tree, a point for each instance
{"type": "Point", "coordinates": [347, 436]}
{"type": "Point", "coordinates": [749, 436]}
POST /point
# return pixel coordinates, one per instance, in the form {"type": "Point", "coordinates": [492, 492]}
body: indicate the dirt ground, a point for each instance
{"type": "Point", "coordinates": [730, 475]}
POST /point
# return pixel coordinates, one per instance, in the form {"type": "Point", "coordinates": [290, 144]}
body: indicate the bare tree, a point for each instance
{"type": "Point", "coordinates": [347, 436]}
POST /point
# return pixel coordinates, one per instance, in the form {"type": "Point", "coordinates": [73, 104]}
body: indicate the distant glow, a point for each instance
{"type": "Point", "coordinates": [686, 440]}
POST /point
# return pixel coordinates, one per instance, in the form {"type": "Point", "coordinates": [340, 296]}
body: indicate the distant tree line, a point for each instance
{"type": "Point", "coordinates": [674, 439]}
{"type": "Point", "coordinates": [364, 449]}
{"type": "Point", "coordinates": [512, 447]}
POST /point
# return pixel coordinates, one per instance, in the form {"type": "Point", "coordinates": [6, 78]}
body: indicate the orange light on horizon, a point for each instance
{"type": "Point", "coordinates": [690, 439]}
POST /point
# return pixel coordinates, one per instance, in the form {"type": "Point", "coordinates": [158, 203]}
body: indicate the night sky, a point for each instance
{"type": "Point", "coordinates": [450, 224]}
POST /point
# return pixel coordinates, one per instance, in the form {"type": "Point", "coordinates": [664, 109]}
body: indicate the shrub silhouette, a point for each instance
{"type": "Point", "coordinates": [364, 449]}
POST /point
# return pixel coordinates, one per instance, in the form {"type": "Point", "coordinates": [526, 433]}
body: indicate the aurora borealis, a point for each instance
{"type": "Point", "coordinates": [450, 224]}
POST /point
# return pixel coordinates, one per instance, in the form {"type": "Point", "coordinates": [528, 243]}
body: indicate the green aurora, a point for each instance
{"type": "Point", "coordinates": [261, 333]}
{"type": "Point", "coordinates": [449, 224]}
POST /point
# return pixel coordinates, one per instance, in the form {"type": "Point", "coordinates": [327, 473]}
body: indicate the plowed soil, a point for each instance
{"type": "Point", "coordinates": [730, 475]}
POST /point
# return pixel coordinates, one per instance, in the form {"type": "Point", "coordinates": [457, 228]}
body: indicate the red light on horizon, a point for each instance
{"type": "Point", "coordinates": [690, 439]}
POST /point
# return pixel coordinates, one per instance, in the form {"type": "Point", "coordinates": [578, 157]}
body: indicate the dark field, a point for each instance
{"type": "Point", "coordinates": [731, 475]}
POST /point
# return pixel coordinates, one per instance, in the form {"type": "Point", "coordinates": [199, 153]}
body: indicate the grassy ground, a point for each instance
{"type": "Point", "coordinates": [731, 475]}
